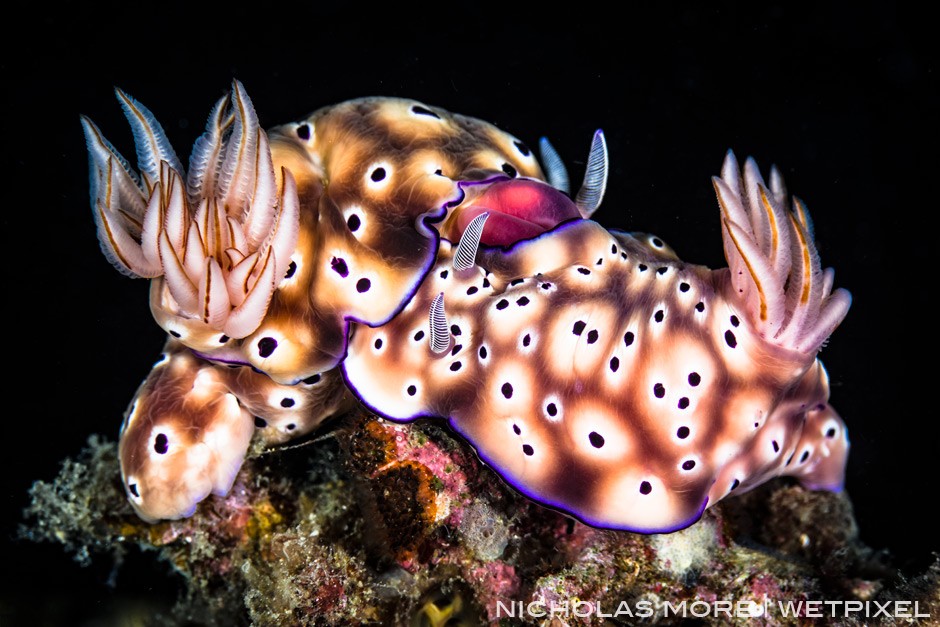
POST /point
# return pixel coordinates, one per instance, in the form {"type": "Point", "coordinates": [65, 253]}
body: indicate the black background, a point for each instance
{"type": "Point", "coordinates": [842, 99]}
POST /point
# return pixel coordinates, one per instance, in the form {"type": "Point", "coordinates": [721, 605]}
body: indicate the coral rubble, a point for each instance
{"type": "Point", "coordinates": [380, 523]}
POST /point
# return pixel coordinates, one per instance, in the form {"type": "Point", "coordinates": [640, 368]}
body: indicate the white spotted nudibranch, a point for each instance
{"type": "Point", "coordinates": [424, 254]}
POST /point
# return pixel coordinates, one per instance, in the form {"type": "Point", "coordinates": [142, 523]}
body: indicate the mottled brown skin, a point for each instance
{"type": "Point", "coordinates": [189, 425]}
{"type": "Point", "coordinates": [367, 173]}
{"type": "Point", "coordinates": [691, 362]}
{"type": "Point", "coordinates": [595, 371]}
{"type": "Point", "coordinates": [389, 247]}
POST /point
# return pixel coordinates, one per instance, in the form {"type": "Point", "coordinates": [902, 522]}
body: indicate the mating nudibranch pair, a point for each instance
{"type": "Point", "coordinates": [422, 261]}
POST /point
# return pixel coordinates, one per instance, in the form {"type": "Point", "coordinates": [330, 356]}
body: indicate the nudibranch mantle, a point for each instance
{"type": "Point", "coordinates": [600, 375]}
{"type": "Point", "coordinates": [425, 254]}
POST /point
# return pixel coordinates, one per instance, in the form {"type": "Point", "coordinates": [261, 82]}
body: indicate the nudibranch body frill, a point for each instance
{"type": "Point", "coordinates": [425, 254]}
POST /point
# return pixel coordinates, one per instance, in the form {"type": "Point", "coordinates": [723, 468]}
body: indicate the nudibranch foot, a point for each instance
{"type": "Point", "coordinates": [803, 437]}
{"type": "Point", "coordinates": [188, 427]}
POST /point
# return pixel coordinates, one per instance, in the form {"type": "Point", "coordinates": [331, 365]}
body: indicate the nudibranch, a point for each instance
{"type": "Point", "coordinates": [424, 260]}
{"type": "Point", "coordinates": [188, 428]}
